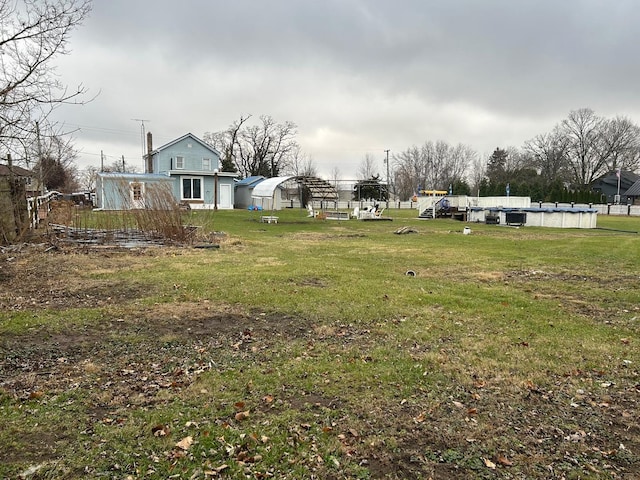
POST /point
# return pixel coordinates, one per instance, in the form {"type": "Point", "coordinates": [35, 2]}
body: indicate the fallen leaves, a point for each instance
{"type": "Point", "coordinates": [185, 443]}
{"type": "Point", "coordinates": [212, 472]}
{"type": "Point", "coordinates": [420, 418]}
{"type": "Point", "coordinates": [160, 430]}
{"type": "Point", "coordinates": [240, 416]}
{"type": "Point", "coordinates": [489, 464]}
{"type": "Point", "coordinates": [36, 395]}
{"type": "Point", "coordinates": [501, 460]}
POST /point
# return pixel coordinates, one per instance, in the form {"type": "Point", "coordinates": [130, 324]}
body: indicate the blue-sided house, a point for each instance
{"type": "Point", "coordinates": [187, 166]}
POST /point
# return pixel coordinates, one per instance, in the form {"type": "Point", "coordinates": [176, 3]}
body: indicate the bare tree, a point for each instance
{"type": "Point", "coordinates": [582, 130]}
{"type": "Point", "coordinates": [259, 149]}
{"type": "Point", "coordinates": [478, 172]}
{"type": "Point", "coordinates": [119, 165]}
{"type": "Point", "coordinates": [432, 166]}
{"type": "Point", "coordinates": [300, 164]}
{"type": "Point", "coordinates": [335, 177]}
{"type": "Point", "coordinates": [264, 149]}
{"type": "Point", "coordinates": [367, 168]}
{"type": "Point", "coordinates": [549, 153]}
{"type": "Point", "coordinates": [584, 146]}
{"type": "Point", "coordinates": [621, 144]}
{"type": "Point", "coordinates": [32, 34]}
{"type": "Point", "coordinates": [408, 172]}
{"type": "Point", "coordinates": [226, 142]}
{"type": "Point", "coordinates": [87, 178]}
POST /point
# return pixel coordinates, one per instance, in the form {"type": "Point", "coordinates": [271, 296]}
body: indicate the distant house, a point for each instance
{"type": "Point", "coordinates": [27, 178]}
{"type": "Point", "coordinates": [191, 169]}
{"type": "Point", "coordinates": [607, 186]}
{"type": "Point", "coordinates": [633, 193]}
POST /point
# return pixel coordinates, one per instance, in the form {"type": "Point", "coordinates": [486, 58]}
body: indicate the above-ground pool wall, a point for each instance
{"type": "Point", "coordinates": [562, 219]}
{"type": "Point", "coordinates": [541, 217]}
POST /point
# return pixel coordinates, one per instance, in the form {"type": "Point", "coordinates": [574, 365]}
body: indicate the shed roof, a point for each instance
{"type": "Point", "coordinates": [253, 180]}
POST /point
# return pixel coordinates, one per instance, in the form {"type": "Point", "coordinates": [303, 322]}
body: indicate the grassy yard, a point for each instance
{"type": "Point", "coordinates": [304, 349]}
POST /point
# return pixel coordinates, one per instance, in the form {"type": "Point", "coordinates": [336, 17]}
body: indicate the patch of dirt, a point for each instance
{"type": "Point", "coordinates": [567, 288]}
{"type": "Point", "coordinates": [572, 277]}
{"type": "Point", "coordinates": [41, 276]}
{"type": "Point", "coordinates": [308, 282]}
{"type": "Point", "coordinates": [177, 338]}
{"type": "Point", "coordinates": [557, 432]}
{"type": "Point", "coordinates": [128, 362]}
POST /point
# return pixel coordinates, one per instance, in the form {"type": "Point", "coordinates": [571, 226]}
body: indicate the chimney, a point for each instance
{"type": "Point", "coordinates": [149, 150]}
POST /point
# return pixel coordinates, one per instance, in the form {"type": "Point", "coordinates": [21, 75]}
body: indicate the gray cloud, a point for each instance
{"type": "Point", "coordinates": [356, 76]}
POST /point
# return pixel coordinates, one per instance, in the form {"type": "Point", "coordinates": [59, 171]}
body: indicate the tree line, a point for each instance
{"type": "Point", "coordinates": [559, 165]}
{"type": "Point", "coordinates": [556, 166]}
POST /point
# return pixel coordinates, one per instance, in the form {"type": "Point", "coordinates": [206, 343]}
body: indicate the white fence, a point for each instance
{"type": "Point", "coordinates": [351, 204]}
{"type": "Point", "coordinates": [603, 209]}
{"type": "Point", "coordinates": [38, 207]}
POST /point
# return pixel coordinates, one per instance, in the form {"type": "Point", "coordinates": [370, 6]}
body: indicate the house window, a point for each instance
{"type": "Point", "coordinates": [136, 191]}
{"type": "Point", "coordinates": [180, 163]}
{"type": "Point", "coordinates": [206, 164]}
{"type": "Point", "coordinates": [191, 188]}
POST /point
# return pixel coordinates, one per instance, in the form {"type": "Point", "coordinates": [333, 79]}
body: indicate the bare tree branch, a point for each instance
{"type": "Point", "coordinates": [265, 148]}
{"type": "Point", "coordinates": [32, 34]}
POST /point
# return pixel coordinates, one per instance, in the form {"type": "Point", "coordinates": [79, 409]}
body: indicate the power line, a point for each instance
{"type": "Point", "coordinates": [103, 129]}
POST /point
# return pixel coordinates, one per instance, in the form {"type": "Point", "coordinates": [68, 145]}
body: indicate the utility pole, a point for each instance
{"type": "Point", "coordinates": [10, 165]}
{"type": "Point", "coordinates": [388, 182]}
{"type": "Point", "coordinates": [41, 171]}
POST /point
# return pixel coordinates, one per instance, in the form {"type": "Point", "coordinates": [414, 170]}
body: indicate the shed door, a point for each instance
{"type": "Point", "coordinates": [225, 196]}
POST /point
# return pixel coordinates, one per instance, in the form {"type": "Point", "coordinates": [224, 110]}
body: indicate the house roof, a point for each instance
{"type": "Point", "coordinates": [134, 176]}
{"type": "Point", "coordinates": [611, 178]}
{"type": "Point", "coordinates": [19, 171]}
{"type": "Point", "coordinates": [187, 135]}
{"type": "Point", "coordinates": [634, 190]}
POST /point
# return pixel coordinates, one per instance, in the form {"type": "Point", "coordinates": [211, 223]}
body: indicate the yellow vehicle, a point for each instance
{"type": "Point", "coordinates": [434, 193]}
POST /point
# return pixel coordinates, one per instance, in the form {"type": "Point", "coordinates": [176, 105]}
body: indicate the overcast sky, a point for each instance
{"type": "Point", "coordinates": [356, 76]}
